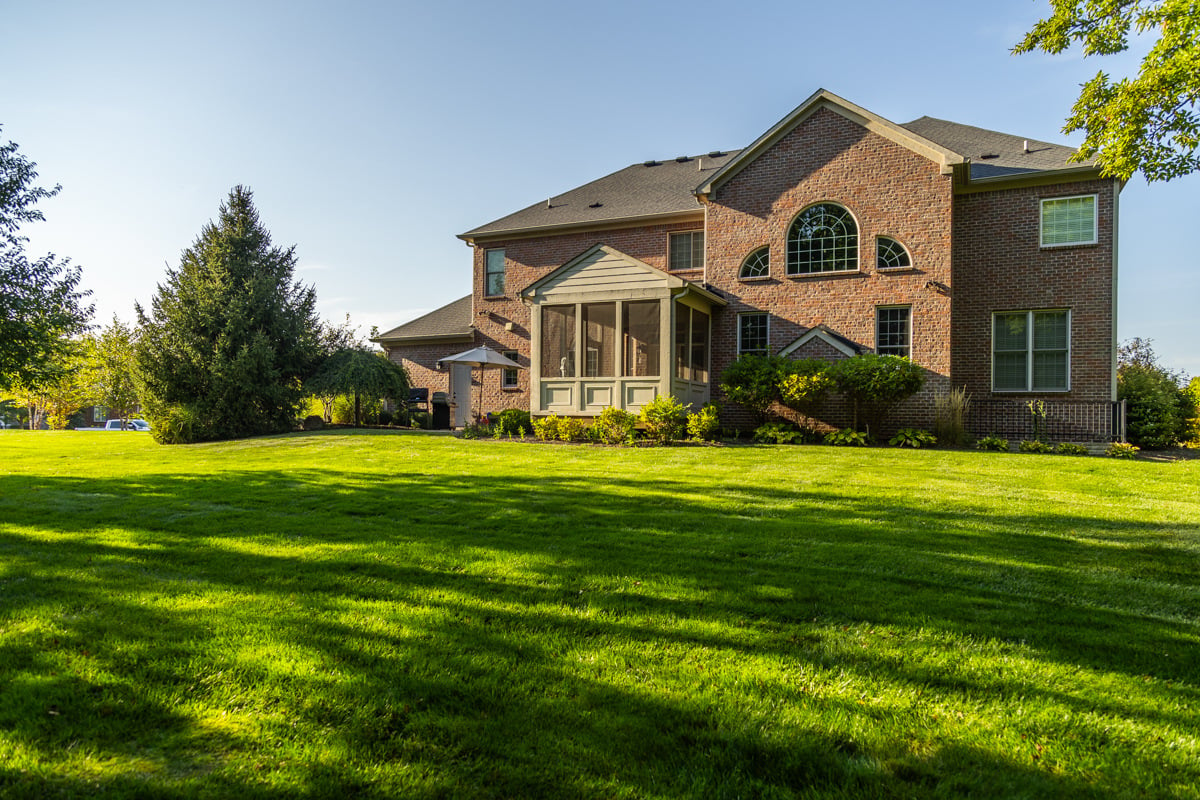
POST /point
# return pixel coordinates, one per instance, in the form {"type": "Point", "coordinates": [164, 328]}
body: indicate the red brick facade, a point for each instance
{"type": "Point", "coordinates": [973, 253]}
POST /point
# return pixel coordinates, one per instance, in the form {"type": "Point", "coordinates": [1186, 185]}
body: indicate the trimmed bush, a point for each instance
{"type": "Point", "coordinates": [546, 428]}
{"type": "Point", "coordinates": [664, 418]}
{"type": "Point", "coordinates": [705, 424]}
{"type": "Point", "coordinates": [313, 422]}
{"type": "Point", "coordinates": [753, 382]}
{"type": "Point", "coordinates": [572, 429]}
{"type": "Point", "coordinates": [876, 382]}
{"type": "Point", "coordinates": [614, 426]}
{"type": "Point", "coordinates": [512, 422]}
{"type": "Point", "coordinates": [803, 383]}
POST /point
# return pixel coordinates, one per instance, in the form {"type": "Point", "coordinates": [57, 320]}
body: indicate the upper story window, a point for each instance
{"type": "Point", "coordinates": [1031, 351]}
{"type": "Point", "coordinates": [756, 265]}
{"type": "Point", "coordinates": [890, 254]}
{"type": "Point", "coordinates": [508, 376]}
{"type": "Point", "coordinates": [493, 272]}
{"type": "Point", "coordinates": [753, 333]}
{"type": "Point", "coordinates": [824, 238]}
{"type": "Point", "coordinates": [893, 331]}
{"type": "Point", "coordinates": [687, 250]}
{"type": "Point", "coordinates": [1069, 220]}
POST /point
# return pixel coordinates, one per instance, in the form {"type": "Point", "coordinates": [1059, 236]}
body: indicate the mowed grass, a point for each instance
{"type": "Point", "coordinates": [357, 615]}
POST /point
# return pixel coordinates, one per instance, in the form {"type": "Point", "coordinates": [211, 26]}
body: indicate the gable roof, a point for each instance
{"type": "Point", "coordinates": [451, 321]}
{"type": "Point", "coordinates": [829, 336]}
{"type": "Point", "coordinates": [602, 271]}
{"type": "Point", "coordinates": [636, 194]}
{"type": "Point", "coordinates": [822, 98]}
{"type": "Point", "coordinates": [993, 154]}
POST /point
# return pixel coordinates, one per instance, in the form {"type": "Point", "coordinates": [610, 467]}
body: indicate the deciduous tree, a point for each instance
{"type": "Point", "coordinates": [1147, 123]}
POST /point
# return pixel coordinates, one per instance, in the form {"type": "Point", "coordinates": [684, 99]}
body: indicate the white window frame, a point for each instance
{"type": "Point", "coordinates": [503, 273]}
{"type": "Point", "coordinates": [907, 254]}
{"type": "Point", "coordinates": [1029, 351]}
{"type": "Point", "coordinates": [692, 265]}
{"type": "Point", "coordinates": [856, 250]}
{"type": "Point", "coordinates": [1095, 198]}
{"type": "Point", "coordinates": [908, 328]}
{"type": "Point", "coordinates": [508, 375]}
{"type": "Point", "coordinates": [754, 255]}
{"type": "Point", "coordinates": [767, 349]}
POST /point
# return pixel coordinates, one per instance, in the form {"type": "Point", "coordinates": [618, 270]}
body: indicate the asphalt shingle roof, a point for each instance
{"type": "Point", "coordinates": [993, 154]}
{"type": "Point", "coordinates": [453, 319]}
{"type": "Point", "coordinates": [640, 190]}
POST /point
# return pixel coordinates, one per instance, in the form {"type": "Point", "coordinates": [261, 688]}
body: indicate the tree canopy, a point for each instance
{"type": "Point", "coordinates": [1147, 123]}
{"type": "Point", "coordinates": [361, 374]}
{"type": "Point", "coordinates": [230, 337]}
{"type": "Point", "coordinates": [41, 305]}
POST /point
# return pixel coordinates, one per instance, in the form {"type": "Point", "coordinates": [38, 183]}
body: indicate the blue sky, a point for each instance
{"type": "Point", "coordinates": [373, 132]}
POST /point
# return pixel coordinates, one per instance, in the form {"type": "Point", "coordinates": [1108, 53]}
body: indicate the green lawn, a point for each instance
{"type": "Point", "coordinates": [340, 614]}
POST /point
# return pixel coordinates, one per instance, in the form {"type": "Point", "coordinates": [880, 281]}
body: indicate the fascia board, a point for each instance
{"type": "Point", "coordinates": [571, 227]}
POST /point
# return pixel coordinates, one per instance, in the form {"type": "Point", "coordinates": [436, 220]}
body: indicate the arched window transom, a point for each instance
{"type": "Point", "coordinates": [824, 238]}
{"type": "Point", "coordinates": [890, 254]}
{"type": "Point", "coordinates": [757, 264]}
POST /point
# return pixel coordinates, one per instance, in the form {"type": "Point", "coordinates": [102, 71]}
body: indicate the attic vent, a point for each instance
{"type": "Point", "coordinates": [715, 154]}
{"type": "Point", "coordinates": [986, 156]}
{"type": "Point", "coordinates": [651, 163]}
{"type": "Point", "coordinates": [595, 205]}
{"type": "Point", "coordinates": [682, 160]}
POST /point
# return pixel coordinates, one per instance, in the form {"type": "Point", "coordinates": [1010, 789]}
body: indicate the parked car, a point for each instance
{"type": "Point", "coordinates": [121, 425]}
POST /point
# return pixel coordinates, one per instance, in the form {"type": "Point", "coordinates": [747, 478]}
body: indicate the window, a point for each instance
{"type": "Point", "coordinates": [893, 335]}
{"type": "Point", "coordinates": [824, 238]}
{"type": "Point", "coordinates": [756, 265]}
{"type": "Point", "coordinates": [642, 337]}
{"type": "Point", "coordinates": [508, 376]}
{"type": "Point", "coordinates": [493, 272]}
{"type": "Point", "coordinates": [687, 250]}
{"type": "Point", "coordinates": [691, 344]}
{"type": "Point", "coordinates": [753, 334]}
{"type": "Point", "coordinates": [558, 341]}
{"type": "Point", "coordinates": [1069, 220]}
{"type": "Point", "coordinates": [890, 254]}
{"type": "Point", "coordinates": [1031, 351]}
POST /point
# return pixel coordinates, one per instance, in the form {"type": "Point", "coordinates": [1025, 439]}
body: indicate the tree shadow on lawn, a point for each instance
{"type": "Point", "coordinates": [433, 650]}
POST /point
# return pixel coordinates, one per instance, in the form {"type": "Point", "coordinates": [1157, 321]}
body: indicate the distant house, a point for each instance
{"type": "Point", "coordinates": [987, 258]}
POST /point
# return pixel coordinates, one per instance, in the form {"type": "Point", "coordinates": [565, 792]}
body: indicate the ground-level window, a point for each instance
{"type": "Point", "coordinates": [1031, 351]}
{"type": "Point", "coordinates": [753, 333]}
{"type": "Point", "coordinates": [1069, 220]}
{"type": "Point", "coordinates": [642, 335]}
{"type": "Point", "coordinates": [508, 377]}
{"type": "Point", "coordinates": [691, 344]}
{"type": "Point", "coordinates": [493, 272]}
{"type": "Point", "coordinates": [558, 341]}
{"type": "Point", "coordinates": [756, 265]}
{"type": "Point", "coordinates": [687, 250]}
{"type": "Point", "coordinates": [893, 330]}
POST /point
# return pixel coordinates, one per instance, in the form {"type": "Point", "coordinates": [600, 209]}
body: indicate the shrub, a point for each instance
{"type": "Point", "coordinates": [385, 417]}
{"type": "Point", "coordinates": [912, 438]}
{"type": "Point", "coordinates": [1157, 409]}
{"type": "Point", "coordinates": [665, 419]}
{"type": "Point", "coordinates": [179, 424]}
{"type": "Point", "coordinates": [803, 382]}
{"type": "Point", "coordinates": [1121, 450]}
{"type": "Point", "coordinates": [1191, 433]}
{"type": "Point", "coordinates": [546, 428]}
{"type": "Point", "coordinates": [993, 443]}
{"type": "Point", "coordinates": [1035, 446]}
{"type": "Point", "coordinates": [477, 430]}
{"type": "Point", "coordinates": [512, 422]}
{"type": "Point", "coordinates": [313, 422]}
{"type": "Point", "coordinates": [845, 437]}
{"type": "Point", "coordinates": [1071, 449]}
{"type": "Point", "coordinates": [778, 433]}
{"type": "Point", "coordinates": [705, 424]}
{"type": "Point", "coordinates": [950, 412]}
{"type": "Point", "coordinates": [421, 419]}
{"type": "Point", "coordinates": [877, 382]}
{"type": "Point", "coordinates": [572, 429]}
{"type": "Point", "coordinates": [753, 382]}
{"type": "Point", "coordinates": [614, 426]}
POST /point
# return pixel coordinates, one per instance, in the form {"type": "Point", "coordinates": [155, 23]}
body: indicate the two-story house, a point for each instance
{"type": "Point", "coordinates": [989, 259]}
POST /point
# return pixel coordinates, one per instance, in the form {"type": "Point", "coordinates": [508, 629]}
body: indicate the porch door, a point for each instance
{"type": "Point", "coordinates": [460, 394]}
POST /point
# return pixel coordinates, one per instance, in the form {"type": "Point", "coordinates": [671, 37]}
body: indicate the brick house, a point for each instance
{"type": "Point", "coordinates": [987, 258]}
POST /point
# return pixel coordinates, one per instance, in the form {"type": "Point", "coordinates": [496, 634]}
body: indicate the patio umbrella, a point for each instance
{"type": "Point", "coordinates": [482, 357]}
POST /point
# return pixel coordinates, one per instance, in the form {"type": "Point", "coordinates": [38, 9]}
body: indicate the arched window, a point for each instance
{"type": "Point", "coordinates": [890, 254]}
{"type": "Point", "coordinates": [824, 238]}
{"type": "Point", "coordinates": [757, 264]}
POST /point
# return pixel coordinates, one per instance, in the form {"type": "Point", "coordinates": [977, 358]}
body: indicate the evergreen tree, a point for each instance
{"type": "Point", "coordinates": [230, 337]}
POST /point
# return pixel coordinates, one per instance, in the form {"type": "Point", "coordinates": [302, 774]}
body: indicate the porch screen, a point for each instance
{"type": "Point", "coordinates": [640, 332]}
{"type": "Point", "coordinates": [558, 341]}
{"type": "Point", "coordinates": [699, 346]}
{"type": "Point", "coordinates": [600, 335]}
{"type": "Point", "coordinates": [691, 344]}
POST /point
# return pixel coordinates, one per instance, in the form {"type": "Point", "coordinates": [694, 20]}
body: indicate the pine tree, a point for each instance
{"type": "Point", "coordinates": [230, 337]}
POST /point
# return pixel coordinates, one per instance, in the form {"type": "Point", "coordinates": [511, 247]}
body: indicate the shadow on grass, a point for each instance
{"type": "Point", "coordinates": [460, 636]}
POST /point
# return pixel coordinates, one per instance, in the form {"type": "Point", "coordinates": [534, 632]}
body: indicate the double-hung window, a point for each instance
{"type": "Point", "coordinates": [893, 330]}
{"type": "Point", "coordinates": [687, 250]}
{"type": "Point", "coordinates": [1031, 351]}
{"type": "Point", "coordinates": [1068, 221]}
{"type": "Point", "coordinates": [493, 270]}
{"type": "Point", "coordinates": [508, 377]}
{"type": "Point", "coordinates": [753, 334]}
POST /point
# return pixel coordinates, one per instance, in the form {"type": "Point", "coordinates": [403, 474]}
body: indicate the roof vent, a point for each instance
{"type": "Point", "coordinates": [596, 205]}
{"type": "Point", "coordinates": [1026, 145]}
{"type": "Point", "coordinates": [682, 160]}
{"type": "Point", "coordinates": [986, 156]}
{"type": "Point", "coordinates": [651, 163]}
{"type": "Point", "coordinates": [715, 154]}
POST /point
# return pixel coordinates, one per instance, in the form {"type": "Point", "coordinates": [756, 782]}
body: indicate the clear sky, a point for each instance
{"type": "Point", "coordinates": [373, 132]}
